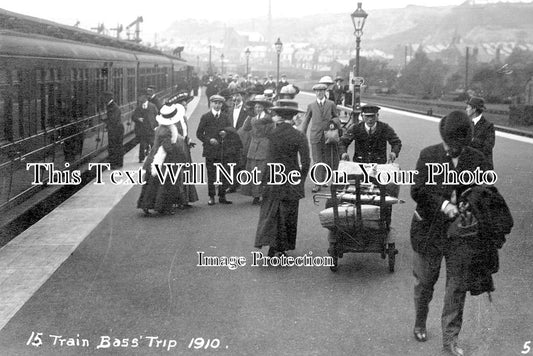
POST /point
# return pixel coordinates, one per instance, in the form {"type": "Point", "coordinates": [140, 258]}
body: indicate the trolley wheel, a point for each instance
{"type": "Point", "coordinates": [335, 266]}
{"type": "Point", "coordinates": [391, 252]}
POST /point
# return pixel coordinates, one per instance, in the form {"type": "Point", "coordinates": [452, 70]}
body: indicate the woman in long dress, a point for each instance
{"type": "Point", "coordinates": [258, 126]}
{"type": "Point", "coordinates": [278, 218]}
{"type": "Point", "coordinates": [180, 101]}
{"type": "Point", "coordinates": [156, 194]}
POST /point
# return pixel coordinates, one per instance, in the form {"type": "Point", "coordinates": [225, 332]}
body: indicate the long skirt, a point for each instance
{"type": "Point", "coordinates": [277, 227]}
{"type": "Point", "coordinates": [254, 190]}
{"type": "Point", "coordinates": [160, 197]}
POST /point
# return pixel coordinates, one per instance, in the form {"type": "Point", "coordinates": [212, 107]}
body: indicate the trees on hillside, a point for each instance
{"type": "Point", "coordinates": [423, 77]}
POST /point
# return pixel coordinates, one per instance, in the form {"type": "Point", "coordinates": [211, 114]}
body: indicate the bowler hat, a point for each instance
{"type": "Point", "coordinates": [369, 109]}
{"type": "Point", "coordinates": [456, 129]}
{"type": "Point", "coordinates": [477, 103]}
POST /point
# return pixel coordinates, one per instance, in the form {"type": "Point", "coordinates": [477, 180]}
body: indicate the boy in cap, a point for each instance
{"type": "Point", "coordinates": [437, 207]}
{"type": "Point", "coordinates": [319, 114]}
{"type": "Point", "coordinates": [212, 131]}
{"type": "Point", "coordinates": [484, 135]}
{"type": "Point", "coordinates": [370, 137]}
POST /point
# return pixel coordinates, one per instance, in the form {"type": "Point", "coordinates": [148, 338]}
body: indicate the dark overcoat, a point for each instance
{"type": "Point", "coordinates": [371, 148]}
{"type": "Point", "coordinates": [208, 128]}
{"type": "Point", "coordinates": [430, 225]}
{"type": "Point", "coordinates": [484, 138]}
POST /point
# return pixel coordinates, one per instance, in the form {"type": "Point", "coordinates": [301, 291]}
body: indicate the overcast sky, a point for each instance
{"type": "Point", "coordinates": [159, 14]}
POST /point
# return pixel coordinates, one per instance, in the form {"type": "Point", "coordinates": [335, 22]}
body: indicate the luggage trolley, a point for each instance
{"type": "Point", "coordinates": [358, 215]}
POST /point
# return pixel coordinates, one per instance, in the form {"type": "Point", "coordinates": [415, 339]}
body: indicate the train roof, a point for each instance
{"type": "Point", "coordinates": [39, 27]}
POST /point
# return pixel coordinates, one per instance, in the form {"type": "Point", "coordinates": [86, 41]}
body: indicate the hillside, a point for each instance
{"type": "Point", "coordinates": [384, 29]}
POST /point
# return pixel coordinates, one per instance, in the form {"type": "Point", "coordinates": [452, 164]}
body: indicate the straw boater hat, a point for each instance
{"type": "Point", "coordinates": [169, 114]}
{"type": "Point", "coordinates": [285, 106]}
{"type": "Point", "coordinates": [261, 100]}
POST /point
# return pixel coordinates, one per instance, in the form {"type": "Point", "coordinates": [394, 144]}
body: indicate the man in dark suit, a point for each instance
{"type": "Point", "coordinates": [115, 131]}
{"type": "Point", "coordinates": [278, 217]}
{"type": "Point", "coordinates": [484, 136]}
{"type": "Point", "coordinates": [319, 114]}
{"type": "Point", "coordinates": [212, 131]}
{"type": "Point", "coordinates": [152, 97]}
{"type": "Point", "coordinates": [145, 124]}
{"type": "Point", "coordinates": [370, 137]}
{"type": "Point", "coordinates": [237, 115]}
{"type": "Point", "coordinates": [338, 90]}
{"type": "Point", "coordinates": [437, 206]}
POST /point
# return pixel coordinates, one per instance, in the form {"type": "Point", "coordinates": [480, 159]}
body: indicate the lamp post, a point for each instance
{"type": "Point", "coordinates": [279, 48]}
{"type": "Point", "coordinates": [222, 64]}
{"type": "Point", "coordinates": [247, 54]}
{"type": "Point", "coordinates": [358, 18]}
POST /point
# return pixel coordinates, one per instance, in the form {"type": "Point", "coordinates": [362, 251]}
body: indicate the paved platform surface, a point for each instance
{"type": "Point", "coordinates": [134, 281]}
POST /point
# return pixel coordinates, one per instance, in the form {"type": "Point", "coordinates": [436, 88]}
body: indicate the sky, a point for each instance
{"type": "Point", "coordinates": [159, 14]}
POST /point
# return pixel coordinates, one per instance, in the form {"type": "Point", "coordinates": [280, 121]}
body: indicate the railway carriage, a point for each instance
{"type": "Point", "coordinates": [51, 82]}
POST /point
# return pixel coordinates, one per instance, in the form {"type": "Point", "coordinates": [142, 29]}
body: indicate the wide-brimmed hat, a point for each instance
{"type": "Point", "coordinates": [456, 129]}
{"type": "Point", "coordinates": [289, 91]}
{"type": "Point", "coordinates": [326, 80]}
{"type": "Point", "coordinates": [339, 78]}
{"type": "Point", "coordinates": [286, 106]}
{"type": "Point", "coordinates": [179, 97]}
{"type": "Point", "coordinates": [169, 114]}
{"type": "Point", "coordinates": [477, 103]}
{"type": "Point", "coordinates": [217, 97]}
{"type": "Point", "coordinates": [261, 100]}
{"type": "Point", "coordinates": [320, 86]}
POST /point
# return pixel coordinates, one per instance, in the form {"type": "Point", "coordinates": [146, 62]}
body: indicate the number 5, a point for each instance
{"type": "Point", "coordinates": [527, 348]}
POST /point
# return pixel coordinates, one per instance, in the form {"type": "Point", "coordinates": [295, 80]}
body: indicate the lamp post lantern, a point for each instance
{"type": "Point", "coordinates": [222, 64]}
{"type": "Point", "coordinates": [279, 48]}
{"type": "Point", "coordinates": [247, 54]}
{"type": "Point", "coordinates": [358, 18]}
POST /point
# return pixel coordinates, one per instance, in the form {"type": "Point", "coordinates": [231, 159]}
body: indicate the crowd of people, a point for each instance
{"type": "Point", "coordinates": [251, 123]}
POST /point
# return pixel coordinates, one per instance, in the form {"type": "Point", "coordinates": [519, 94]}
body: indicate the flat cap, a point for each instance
{"type": "Point", "coordinates": [320, 86]}
{"type": "Point", "coordinates": [217, 97]}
